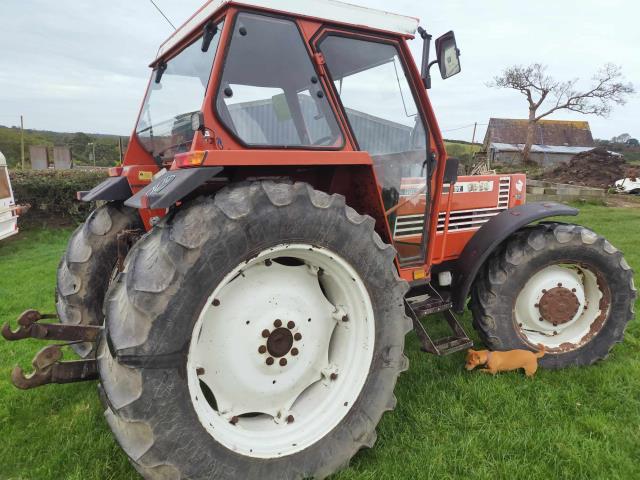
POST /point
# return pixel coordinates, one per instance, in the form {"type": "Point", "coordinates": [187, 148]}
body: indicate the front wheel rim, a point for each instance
{"type": "Point", "coordinates": [562, 307]}
{"type": "Point", "coordinates": [281, 350]}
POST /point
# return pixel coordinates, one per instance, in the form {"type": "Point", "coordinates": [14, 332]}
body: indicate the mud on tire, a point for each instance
{"type": "Point", "coordinates": [87, 265]}
{"type": "Point", "coordinates": [527, 252]}
{"type": "Point", "coordinates": [153, 305]}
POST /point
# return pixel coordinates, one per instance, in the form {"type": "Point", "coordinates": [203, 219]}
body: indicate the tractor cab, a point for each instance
{"type": "Point", "coordinates": [249, 79]}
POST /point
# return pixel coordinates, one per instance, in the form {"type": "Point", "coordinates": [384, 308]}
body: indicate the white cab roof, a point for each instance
{"type": "Point", "coordinates": [329, 10]}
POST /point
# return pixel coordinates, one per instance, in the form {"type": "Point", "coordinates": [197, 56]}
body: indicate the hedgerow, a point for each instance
{"type": "Point", "coordinates": [52, 194]}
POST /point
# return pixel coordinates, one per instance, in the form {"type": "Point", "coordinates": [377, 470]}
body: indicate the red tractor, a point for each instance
{"type": "Point", "coordinates": [286, 213]}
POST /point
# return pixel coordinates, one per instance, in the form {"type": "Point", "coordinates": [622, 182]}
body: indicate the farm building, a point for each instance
{"type": "Point", "coordinates": [556, 141]}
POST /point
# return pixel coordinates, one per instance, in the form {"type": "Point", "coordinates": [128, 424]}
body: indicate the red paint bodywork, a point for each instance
{"type": "Point", "coordinates": [347, 171]}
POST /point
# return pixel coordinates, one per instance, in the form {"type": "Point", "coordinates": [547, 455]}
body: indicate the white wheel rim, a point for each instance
{"type": "Point", "coordinates": [578, 289]}
{"type": "Point", "coordinates": [270, 411]}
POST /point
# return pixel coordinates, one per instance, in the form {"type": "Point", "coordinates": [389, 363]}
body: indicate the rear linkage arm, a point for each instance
{"type": "Point", "coordinates": [47, 365]}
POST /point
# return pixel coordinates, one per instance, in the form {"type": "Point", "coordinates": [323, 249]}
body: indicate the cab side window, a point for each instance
{"type": "Point", "coordinates": [270, 94]}
{"type": "Point", "coordinates": [383, 115]}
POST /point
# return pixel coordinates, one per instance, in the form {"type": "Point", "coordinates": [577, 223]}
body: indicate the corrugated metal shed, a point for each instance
{"type": "Point", "coordinates": [510, 147]}
{"type": "Point", "coordinates": [258, 123]}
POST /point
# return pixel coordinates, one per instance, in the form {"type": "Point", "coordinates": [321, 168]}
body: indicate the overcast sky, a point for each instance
{"type": "Point", "coordinates": [73, 66]}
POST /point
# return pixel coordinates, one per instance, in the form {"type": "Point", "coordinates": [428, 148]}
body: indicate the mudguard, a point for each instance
{"type": "Point", "coordinates": [112, 189]}
{"type": "Point", "coordinates": [171, 187]}
{"type": "Point", "coordinates": [490, 236]}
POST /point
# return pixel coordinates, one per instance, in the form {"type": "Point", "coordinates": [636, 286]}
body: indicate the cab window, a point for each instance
{"type": "Point", "coordinates": [270, 94]}
{"type": "Point", "coordinates": [383, 114]}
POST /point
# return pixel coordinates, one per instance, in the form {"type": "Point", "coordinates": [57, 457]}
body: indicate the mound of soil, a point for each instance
{"type": "Point", "coordinates": [595, 168]}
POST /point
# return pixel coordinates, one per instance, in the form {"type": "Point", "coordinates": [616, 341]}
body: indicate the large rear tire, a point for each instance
{"type": "Point", "coordinates": [557, 285]}
{"type": "Point", "coordinates": [87, 266]}
{"type": "Point", "coordinates": [255, 335]}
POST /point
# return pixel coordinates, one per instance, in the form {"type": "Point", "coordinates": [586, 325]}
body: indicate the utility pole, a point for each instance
{"type": "Point", "coordinates": [473, 139]}
{"type": "Point", "coordinates": [93, 152]}
{"type": "Point", "coordinates": [22, 140]}
{"type": "Point", "coordinates": [120, 148]}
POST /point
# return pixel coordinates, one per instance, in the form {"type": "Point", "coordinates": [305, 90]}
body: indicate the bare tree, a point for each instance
{"type": "Point", "coordinates": [542, 89]}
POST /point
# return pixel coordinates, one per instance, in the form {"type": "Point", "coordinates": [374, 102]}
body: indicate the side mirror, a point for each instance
{"type": "Point", "coordinates": [448, 55]}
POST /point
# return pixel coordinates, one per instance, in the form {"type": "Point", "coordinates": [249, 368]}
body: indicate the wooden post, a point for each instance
{"type": "Point", "coordinates": [120, 148]}
{"type": "Point", "coordinates": [22, 140]}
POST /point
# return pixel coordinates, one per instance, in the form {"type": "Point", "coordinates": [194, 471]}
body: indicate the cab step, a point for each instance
{"type": "Point", "coordinates": [429, 302]}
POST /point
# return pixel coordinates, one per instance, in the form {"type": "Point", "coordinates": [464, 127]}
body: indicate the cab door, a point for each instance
{"type": "Point", "coordinates": [369, 77]}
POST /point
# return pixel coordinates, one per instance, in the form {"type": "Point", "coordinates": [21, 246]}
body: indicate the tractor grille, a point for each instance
{"type": "Point", "coordinates": [412, 225]}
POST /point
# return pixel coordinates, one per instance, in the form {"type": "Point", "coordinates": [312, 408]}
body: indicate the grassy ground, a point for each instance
{"type": "Point", "coordinates": [575, 423]}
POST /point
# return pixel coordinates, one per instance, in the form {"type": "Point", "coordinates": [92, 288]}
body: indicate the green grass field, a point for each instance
{"type": "Point", "coordinates": [571, 424]}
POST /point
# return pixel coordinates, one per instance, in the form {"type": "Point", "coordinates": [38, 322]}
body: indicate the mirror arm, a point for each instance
{"type": "Point", "coordinates": [162, 66]}
{"type": "Point", "coordinates": [427, 78]}
{"type": "Point", "coordinates": [426, 48]}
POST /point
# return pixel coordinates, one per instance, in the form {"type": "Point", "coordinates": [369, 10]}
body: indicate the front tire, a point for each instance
{"type": "Point", "coordinates": [557, 285]}
{"type": "Point", "coordinates": [199, 371]}
{"type": "Point", "coordinates": [87, 266]}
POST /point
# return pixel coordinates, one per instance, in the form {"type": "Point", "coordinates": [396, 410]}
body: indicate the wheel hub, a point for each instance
{"type": "Point", "coordinates": [559, 305]}
{"type": "Point", "coordinates": [279, 342]}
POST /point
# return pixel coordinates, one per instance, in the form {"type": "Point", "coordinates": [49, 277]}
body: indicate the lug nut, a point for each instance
{"type": "Point", "coordinates": [537, 305]}
{"type": "Point", "coordinates": [234, 420]}
{"type": "Point", "coordinates": [294, 351]}
{"type": "Point", "coordinates": [283, 362]}
{"type": "Point", "coordinates": [345, 318]}
{"type": "Point", "coordinates": [199, 371]}
{"type": "Point", "coordinates": [266, 333]}
{"type": "Point", "coordinates": [290, 419]}
{"type": "Point", "coordinates": [268, 262]}
{"type": "Point", "coordinates": [298, 336]}
{"type": "Point", "coordinates": [216, 302]}
{"type": "Point", "coordinates": [559, 284]}
{"type": "Point", "coordinates": [269, 360]}
{"type": "Point", "coordinates": [277, 323]}
{"type": "Point", "coordinates": [544, 290]}
{"type": "Point", "coordinates": [573, 290]}
{"type": "Point", "coordinates": [262, 349]}
{"type": "Point", "coordinates": [541, 319]}
{"type": "Point", "coordinates": [333, 376]}
{"type": "Point", "coordinates": [291, 325]}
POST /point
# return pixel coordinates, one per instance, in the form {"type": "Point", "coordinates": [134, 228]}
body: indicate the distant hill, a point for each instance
{"type": "Point", "coordinates": [462, 150]}
{"type": "Point", "coordinates": [106, 146]}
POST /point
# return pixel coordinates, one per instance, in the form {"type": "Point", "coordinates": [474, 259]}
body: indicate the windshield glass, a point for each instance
{"type": "Point", "coordinates": [164, 127]}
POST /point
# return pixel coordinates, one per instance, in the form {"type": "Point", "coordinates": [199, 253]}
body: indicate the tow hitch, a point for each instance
{"type": "Point", "coordinates": [47, 364]}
